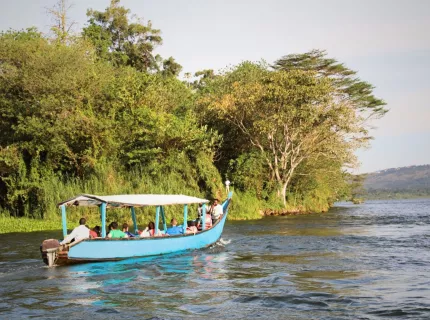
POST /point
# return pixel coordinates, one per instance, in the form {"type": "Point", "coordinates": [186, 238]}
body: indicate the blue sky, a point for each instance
{"type": "Point", "coordinates": [386, 41]}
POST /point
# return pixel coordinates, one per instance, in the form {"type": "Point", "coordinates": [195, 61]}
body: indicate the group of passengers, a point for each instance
{"type": "Point", "coordinates": [213, 213]}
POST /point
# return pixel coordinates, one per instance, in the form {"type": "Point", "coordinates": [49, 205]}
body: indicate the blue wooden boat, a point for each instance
{"type": "Point", "coordinates": [106, 249]}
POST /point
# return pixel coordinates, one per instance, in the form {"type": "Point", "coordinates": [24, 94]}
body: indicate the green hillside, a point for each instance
{"type": "Point", "coordinates": [403, 182]}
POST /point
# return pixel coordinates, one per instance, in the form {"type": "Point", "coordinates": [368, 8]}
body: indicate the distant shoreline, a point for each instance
{"type": "Point", "coordinates": [398, 197]}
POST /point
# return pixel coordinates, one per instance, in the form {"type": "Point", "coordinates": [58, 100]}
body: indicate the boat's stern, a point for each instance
{"type": "Point", "coordinates": [49, 250]}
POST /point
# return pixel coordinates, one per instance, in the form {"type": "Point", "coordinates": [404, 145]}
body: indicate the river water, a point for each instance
{"type": "Point", "coordinates": [370, 261]}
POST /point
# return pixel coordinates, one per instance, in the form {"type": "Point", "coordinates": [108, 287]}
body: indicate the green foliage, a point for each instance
{"type": "Point", "coordinates": [90, 115]}
{"type": "Point", "coordinates": [245, 206]}
{"type": "Point", "coordinates": [249, 174]}
{"type": "Point", "coordinates": [11, 224]}
{"type": "Point", "coordinates": [120, 39]}
{"type": "Point", "coordinates": [76, 125]}
{"type": "Point", "coordinates": [356, 185]}
{"type": "Point", "coordinates": [289, 117]}
{"type": "Point", "coordinates": [356, 91]}
{"type": "Point", "coordinates": [171, 68]}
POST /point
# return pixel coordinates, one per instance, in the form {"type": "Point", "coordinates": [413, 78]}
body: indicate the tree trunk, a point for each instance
{"type": "Point", "coordinates": [284, 193]}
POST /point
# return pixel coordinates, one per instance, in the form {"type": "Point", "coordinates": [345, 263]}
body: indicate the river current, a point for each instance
{"type": "Point", "coordinates": [369, 261]}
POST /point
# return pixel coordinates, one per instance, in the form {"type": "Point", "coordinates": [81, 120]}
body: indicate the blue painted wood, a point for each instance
{"type": "Point", "coordinates": [157, 219]}
{"type": "Point", "coordinates": [203, 221]}
{"type": "Point", "coordinates": [103, 217]}
{"type": "Point", "coordinates": [163, 217]}
{"type": "Point", "coordinates": [64, 220]}
{"type": "Point", "coordinates": [226, 203]}
{"type": "Point", "coordinates": [101, 249]}
{"type": "Point", "coordinates": [185, 218]}
{"type": "Point", "coordinates": [133, 216]}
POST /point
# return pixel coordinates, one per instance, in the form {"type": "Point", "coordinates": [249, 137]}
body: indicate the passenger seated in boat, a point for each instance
{"type": "Point", "coordinates": [109, 228]}
{"type": "Point", "coordinates": [216, 211]}
{"type": "Point", "coordinates": [208, 222]}
{"type": "Point", "coordinates": [192, 228]}
{"type": "Point", "coordinates": [115, 233]}
{"type": "Point", "coordinates": [174, 229]}
{"type": "Point", "coordinates": [79, 233]}
{"type": "Point", "coordinates": [95, 232]}
{"type": "Point", "coordinates": [150, 231]}
{"type": "Point", "coordinates": [125, 230]}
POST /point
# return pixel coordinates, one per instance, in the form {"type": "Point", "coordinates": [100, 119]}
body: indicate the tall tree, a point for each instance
{"type": "Point", "coordinates": [358, 93]}
{"type": "Point", "coordinates": [171, 68]}
{"type": "Point", "coordinates": [357, 186]}
{"type": "Point", "coordinates": [290, 117]}
{"type": "Point", "coordinates": [203, 76]}
{"type": "Point", "coordinates": [122, 38]}
{"type": "Point", "coordinates": [62, 26]}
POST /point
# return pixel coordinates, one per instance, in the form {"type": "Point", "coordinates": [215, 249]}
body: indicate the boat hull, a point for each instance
{"type": "Point", "coordinates": [90, 250]}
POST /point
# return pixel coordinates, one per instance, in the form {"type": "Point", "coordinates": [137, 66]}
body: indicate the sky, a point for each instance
{"type": "Point", "coordinates": [386, 41]}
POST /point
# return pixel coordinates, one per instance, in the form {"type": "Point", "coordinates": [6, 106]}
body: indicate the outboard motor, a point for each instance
{"type": "Point", "coordinates": [49, 249]}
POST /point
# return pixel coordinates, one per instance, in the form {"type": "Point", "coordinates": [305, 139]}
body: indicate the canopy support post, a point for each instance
{"type": "Point", "coordinates": [64, 220]}
{"type": "Point", "coordinates": [103, 218]}
{"type": "Point", "coordinates": [157, 219]}
{"type": "Point", "coordinates": [133, 216]}
{"type": "Point", "coordinates": [204, 216]}
{"type": "Point", "coordinates": [185, 218]}
{"type": "Point", "coordinates": [163, 218]}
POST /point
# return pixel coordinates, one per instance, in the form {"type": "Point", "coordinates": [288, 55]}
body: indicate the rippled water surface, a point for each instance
{"type": "Point", "coordinates": [370, 261]}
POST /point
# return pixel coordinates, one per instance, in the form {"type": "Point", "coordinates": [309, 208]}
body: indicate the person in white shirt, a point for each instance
{"type": "Point", "coordinates": [227, 185]}
{"type": "Point", "coordinates": [216, 211]}
{"type": "Point", "coordinates": [79, 233]}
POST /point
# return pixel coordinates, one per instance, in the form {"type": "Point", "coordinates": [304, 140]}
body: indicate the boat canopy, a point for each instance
{"type": "Point", "coordinates": [131, 200]}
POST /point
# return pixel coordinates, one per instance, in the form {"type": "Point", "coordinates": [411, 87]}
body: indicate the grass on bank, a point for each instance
{"type": "Point", "coordinates": [244, 205]}
{"type": "Point", "coordinates": [11, 224]}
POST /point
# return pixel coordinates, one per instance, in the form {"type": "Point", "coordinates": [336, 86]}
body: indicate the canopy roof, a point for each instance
{"type": "Point", "coordinates": [131, 200]}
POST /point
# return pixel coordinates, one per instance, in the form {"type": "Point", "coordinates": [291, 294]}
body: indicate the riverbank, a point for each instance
{"type": "Point", "coordinates": [269, 212]}
{"type": "Point", "coordinates": [11, 224]}
{"type": "Point", "coordinates": [243, 207]}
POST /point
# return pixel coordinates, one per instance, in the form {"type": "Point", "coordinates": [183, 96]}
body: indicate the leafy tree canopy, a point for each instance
{"type": "Point", "coordinates": [121, 38]}
{"type": "Point", "coordinates": [171, 68]}
{"type": "Point", "coordinates": [290, 117]}
{"type": "Point", "coordinates": [359, 93]}
{"type": "Point", "coordinates": [89, 113]}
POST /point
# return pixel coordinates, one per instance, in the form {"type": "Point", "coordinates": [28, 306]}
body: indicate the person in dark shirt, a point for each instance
{"type": "Point", "coordinates": [174, 229]}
